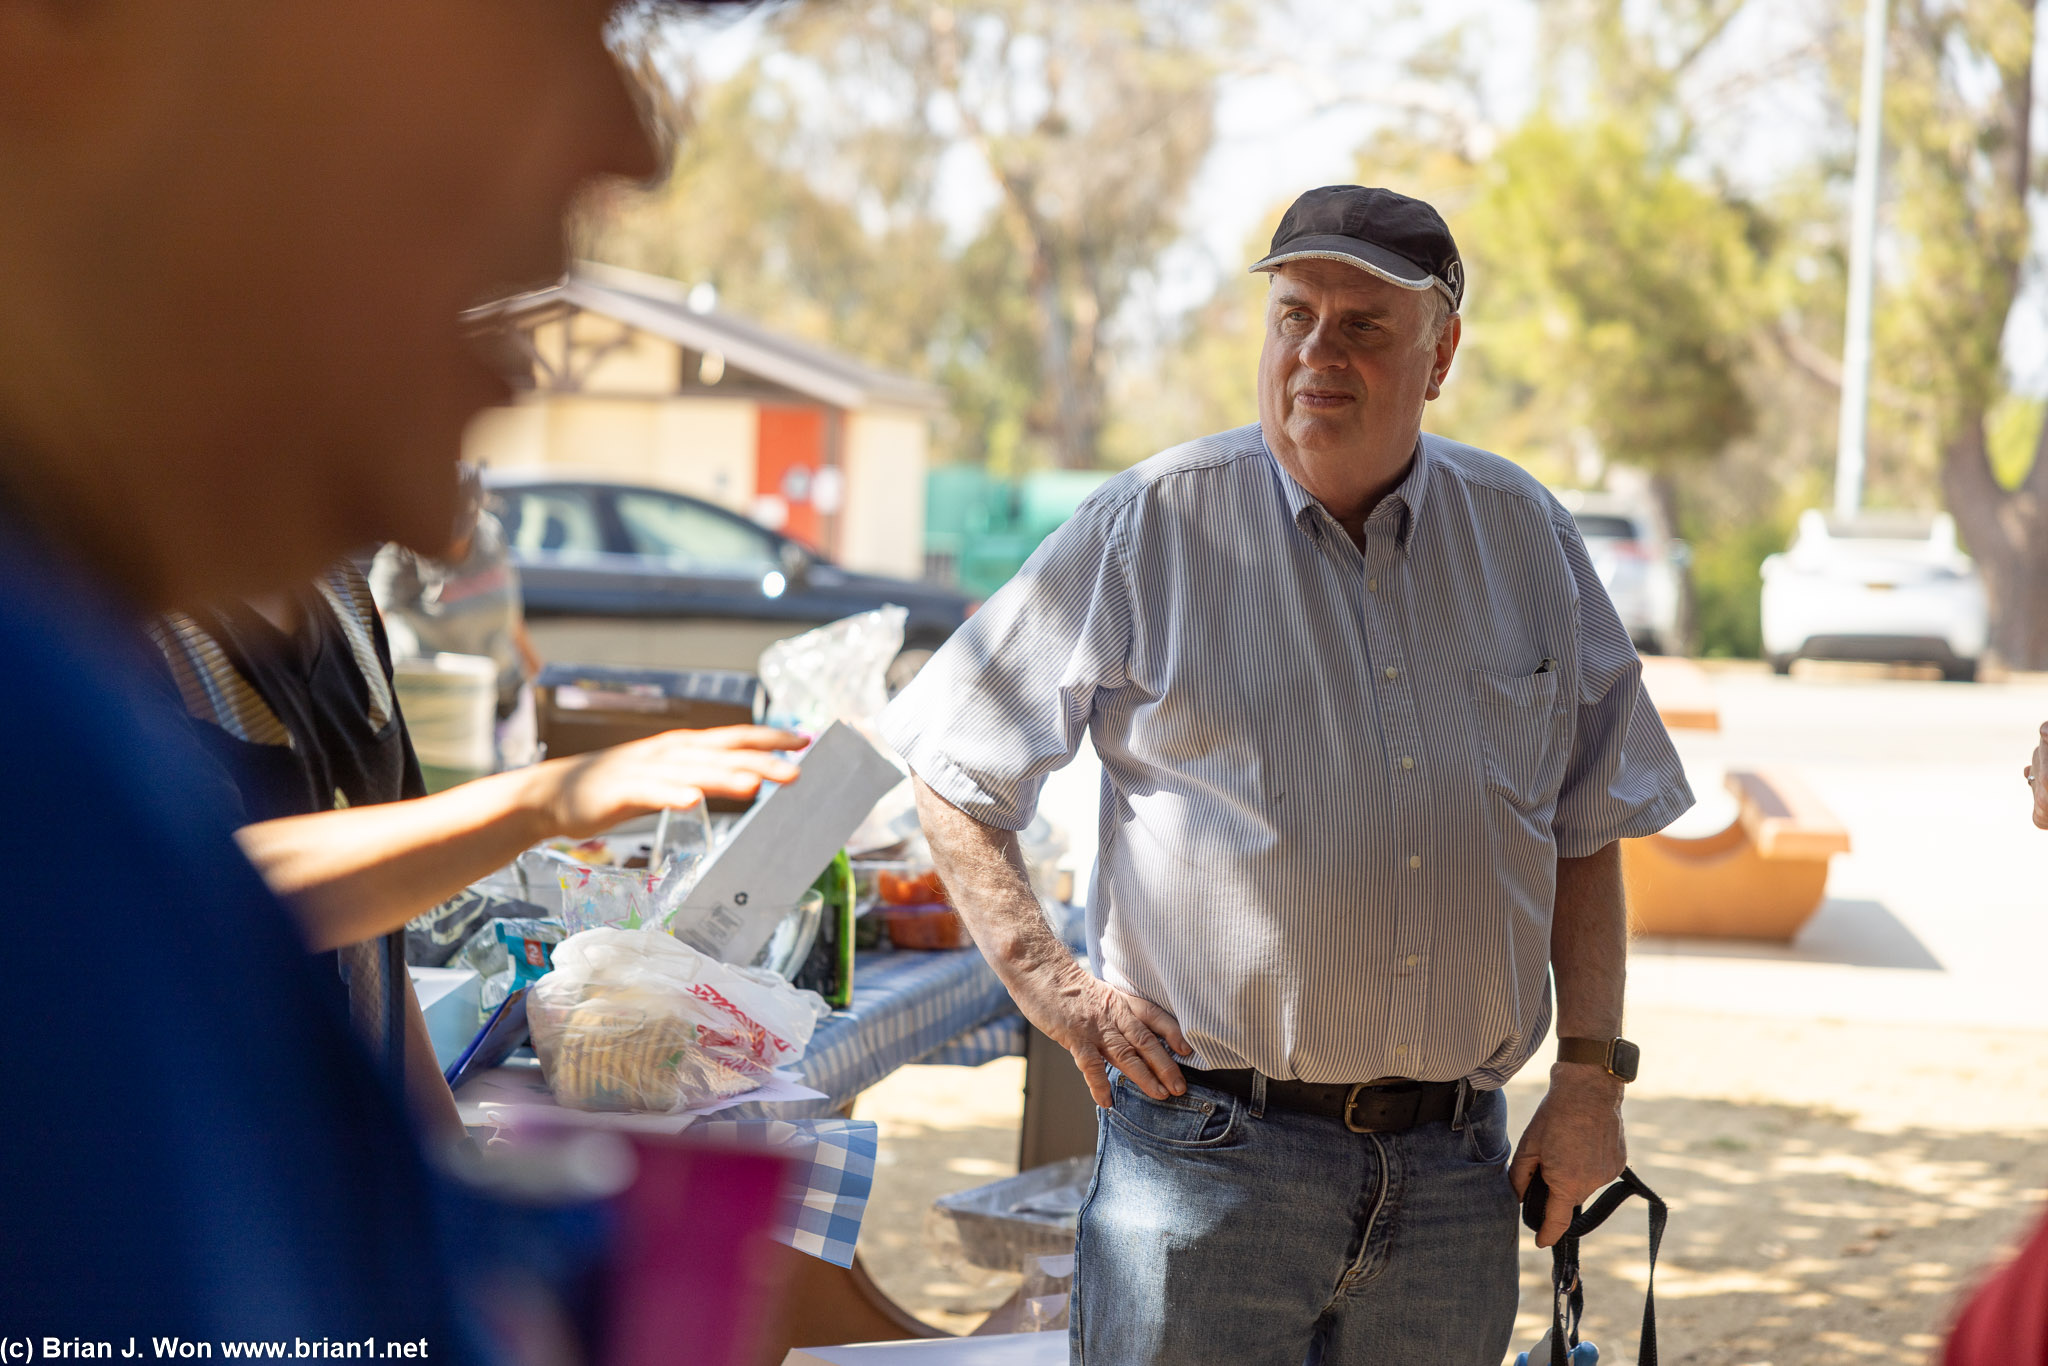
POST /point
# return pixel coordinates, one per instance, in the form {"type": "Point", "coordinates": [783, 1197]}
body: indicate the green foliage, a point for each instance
{"type": "Point", "coordinates": [1610, 294]}
{"type": "Point", "coordinates": [808, 192]}
{"type": "Point", "coordinates": [2013, 430]}
{"type": "Point", "coordinates": [1728, 587]}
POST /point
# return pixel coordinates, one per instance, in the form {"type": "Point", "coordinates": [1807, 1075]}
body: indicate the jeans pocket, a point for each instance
{"type": "Point", "coordinates": [1186, 1121]}
{"type": "Point", "coordinates": [1486, 1128]}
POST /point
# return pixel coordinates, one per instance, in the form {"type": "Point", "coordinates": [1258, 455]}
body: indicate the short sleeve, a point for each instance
{"type": "Point", "coordinates": [1007, 699]}
{"type": "Point", "coordinates": [1624, 779]}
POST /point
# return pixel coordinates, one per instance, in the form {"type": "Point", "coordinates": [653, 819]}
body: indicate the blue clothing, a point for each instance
{"type": "Point", "coordinates": [194, 1142]}
{"type": "Point", "coordinates": [1215, 1235]}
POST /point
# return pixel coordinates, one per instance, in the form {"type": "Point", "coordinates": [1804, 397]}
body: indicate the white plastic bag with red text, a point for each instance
{"type": "Point", "coordinates": [638, 1021]}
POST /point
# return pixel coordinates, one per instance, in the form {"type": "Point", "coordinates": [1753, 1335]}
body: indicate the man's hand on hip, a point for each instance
{"type": "Point", "coordinates": [1102, 1026]}
{"type": "Point", "coordinates": [1576, 1138]}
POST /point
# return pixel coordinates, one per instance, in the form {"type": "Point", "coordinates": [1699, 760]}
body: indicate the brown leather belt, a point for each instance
{"type": "Point", "coordinates": [1376, 1107]}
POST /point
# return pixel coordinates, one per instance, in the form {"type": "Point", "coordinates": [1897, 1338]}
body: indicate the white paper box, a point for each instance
{"type": "Point", "coordinates": [777, 850]}
{"type": "Point", "coordinates": [450, 999]}
{"type": "Point", "coordinates": [1002, 1349]}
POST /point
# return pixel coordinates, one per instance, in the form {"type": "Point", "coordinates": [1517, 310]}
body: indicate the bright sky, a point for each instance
{"type": "Point", "coordinates": [1328, 72]}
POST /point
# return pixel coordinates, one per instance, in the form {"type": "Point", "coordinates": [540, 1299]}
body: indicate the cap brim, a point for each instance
{"type": "Point", "coordinates": [1390, 266]}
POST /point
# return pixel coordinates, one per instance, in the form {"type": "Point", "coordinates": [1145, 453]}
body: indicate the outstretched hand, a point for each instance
{"type": "Point", "coordinates": [589, 793]}
{"type": "Point", "coordinates": [1576, 1138]}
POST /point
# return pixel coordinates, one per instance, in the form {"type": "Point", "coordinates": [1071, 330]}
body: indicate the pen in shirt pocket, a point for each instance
{"type": "Point", "coordinates": [1548, 666]}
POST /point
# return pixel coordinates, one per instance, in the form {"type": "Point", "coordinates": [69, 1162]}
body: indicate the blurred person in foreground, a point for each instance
{"type": "Point", "coordinates": [1370, 730]}
{"type": "Point", "coordinates": [2005, 1321]}
{"type": "Point", "coordinates": [465, 600]}
{"type": "Point", "coordinates": [235, 241]}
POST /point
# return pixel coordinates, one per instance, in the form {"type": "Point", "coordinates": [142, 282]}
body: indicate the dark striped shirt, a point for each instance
{"type": "Point", "coordinates": [1335, 784]}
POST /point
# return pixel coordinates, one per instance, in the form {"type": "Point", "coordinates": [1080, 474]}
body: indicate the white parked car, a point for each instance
{"type": "Point", "coordinates": [1885, 587]}
{"type": "Point", "coordinates": [1642, 568]}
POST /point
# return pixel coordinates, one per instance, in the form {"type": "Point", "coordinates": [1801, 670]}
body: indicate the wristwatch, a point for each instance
{"type": "Point", "coordinates": [1618, 1057]}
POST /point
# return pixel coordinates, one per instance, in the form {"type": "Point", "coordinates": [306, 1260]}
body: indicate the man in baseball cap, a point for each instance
{"type": "Point", "coordinates": [1370, 731]}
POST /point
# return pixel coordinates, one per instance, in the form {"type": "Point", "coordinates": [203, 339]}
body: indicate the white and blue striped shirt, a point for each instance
{"type": "Point", "coordinates": [1335, 784]}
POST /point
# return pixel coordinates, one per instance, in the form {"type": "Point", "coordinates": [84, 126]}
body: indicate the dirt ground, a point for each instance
{"type": "Point", "coordinates": [1833, 1185]}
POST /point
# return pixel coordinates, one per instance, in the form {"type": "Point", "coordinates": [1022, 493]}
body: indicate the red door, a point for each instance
{"type": "Point", "coordinates": [787, 460]}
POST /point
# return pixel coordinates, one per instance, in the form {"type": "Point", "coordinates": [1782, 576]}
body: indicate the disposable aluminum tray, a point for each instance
{"type": "Point", "coordinates": [1031, 1214]}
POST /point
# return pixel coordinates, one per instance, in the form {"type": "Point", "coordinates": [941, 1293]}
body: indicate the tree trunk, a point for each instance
{"type": "Point", "coordinates": [2003, 530]}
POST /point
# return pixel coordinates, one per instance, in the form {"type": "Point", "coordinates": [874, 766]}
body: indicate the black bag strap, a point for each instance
{"type": "Point", "coordinates": [1567, 1293]}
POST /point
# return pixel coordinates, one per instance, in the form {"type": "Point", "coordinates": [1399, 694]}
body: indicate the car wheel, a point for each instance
{"type": "Point", "coordinates": [1782, 664]}
{"type": "Point", "coordinates": [1959, 671]}
{"type": "Point", "coordinates": [905, 666]}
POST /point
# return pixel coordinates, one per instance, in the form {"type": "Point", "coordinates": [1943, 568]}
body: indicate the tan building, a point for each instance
{"type": "Point", "coordinates": [637, 378]}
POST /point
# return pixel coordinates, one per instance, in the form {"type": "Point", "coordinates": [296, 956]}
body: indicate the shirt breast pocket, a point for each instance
{"type": "Point", "coordinates": [1517, 721]}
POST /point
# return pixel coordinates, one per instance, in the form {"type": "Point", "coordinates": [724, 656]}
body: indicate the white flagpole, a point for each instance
{"type": "Point", "coordinates": [1850, 441]}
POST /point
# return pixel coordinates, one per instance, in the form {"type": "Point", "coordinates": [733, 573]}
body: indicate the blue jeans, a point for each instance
{"type": "Point", "coordinates": [1214, 1235]}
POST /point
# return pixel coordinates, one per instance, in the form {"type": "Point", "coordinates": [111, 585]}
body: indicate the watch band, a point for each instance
{"type": "Point", "coordinates": [1617, 1057]}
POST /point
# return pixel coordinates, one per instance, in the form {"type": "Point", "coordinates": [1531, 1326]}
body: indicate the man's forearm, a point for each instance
{"type": "Point", "coordinates": [983, 869]}
{"type": "Point", "coordinates": [1589, 945]}
{"type": "Point", "coordinates": [1100, 1025]}
{"type": "Point", "coordinates": [363, 871]}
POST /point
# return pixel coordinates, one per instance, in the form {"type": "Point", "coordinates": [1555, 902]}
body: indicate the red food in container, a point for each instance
{"type": "Point", "coordinates": [930, 926]}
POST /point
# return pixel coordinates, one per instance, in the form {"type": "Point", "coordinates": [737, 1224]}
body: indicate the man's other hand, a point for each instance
{"type": "Point", "coordinates": [1102, 1026]}
{"type": "Point", "coordinates": [2037, 778]}
{"type": "Point", "coordinates": [1576, 1138]}
{"type": "Point", "coordinates": [588, 793]}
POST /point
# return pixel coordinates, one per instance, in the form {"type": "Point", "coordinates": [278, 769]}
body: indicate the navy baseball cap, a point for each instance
{"type": "Point", "coordinates": [1401, 240]}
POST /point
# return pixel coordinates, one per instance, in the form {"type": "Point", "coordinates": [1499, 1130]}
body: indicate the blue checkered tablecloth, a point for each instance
{"type": "Point", "coordinates": [828, 1194]}
{"type": "Point", "coordinates": [907, 1006]}
{"type": "Point", "coordinates": [999, 1038]}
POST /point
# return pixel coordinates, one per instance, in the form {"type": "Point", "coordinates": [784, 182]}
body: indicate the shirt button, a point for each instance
{"type": "Point", "coordinates": [1400, 1050]}
{"type": "Point", "coordinates": [1392, 672]}
{"type": "Point", "coordinates": [1415, 860]}
{"type": "Point", "coordinates": [1413, 959]}
{"type": "Point", "coordinates": [1372, 585]}
{"type": "Point", "coordinates": [1407, 761]}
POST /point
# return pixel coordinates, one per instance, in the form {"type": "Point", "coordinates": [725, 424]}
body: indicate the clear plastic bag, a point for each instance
{"type": "Point", "coordinates": [839, 672]}
{"type": "Point", "coordinates": [635, 1020]}
{"type": "Point", "coordinates": [1045, 1294]}
{"type": "Point", "coordinates": [487, 954]}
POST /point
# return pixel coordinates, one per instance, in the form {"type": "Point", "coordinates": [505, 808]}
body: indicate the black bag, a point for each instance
{"type": "Point", "coordinates": [1567, 1293]}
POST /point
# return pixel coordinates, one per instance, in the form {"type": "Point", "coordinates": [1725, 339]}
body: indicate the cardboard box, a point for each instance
{"type": "Point", "coordinates": [584, 707]}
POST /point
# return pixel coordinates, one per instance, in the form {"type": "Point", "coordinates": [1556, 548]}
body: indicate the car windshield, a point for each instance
{"type": "Point", "coordinates": [692, 536]}
{"type": "Point", "coordinates": [551, 519]}
{"type": "Point", "coordinates": [1604, 526]}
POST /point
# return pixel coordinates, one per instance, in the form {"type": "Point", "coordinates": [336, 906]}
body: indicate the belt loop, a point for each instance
{"type": "Point", "coordinates": [1258, 1094]}
{"type": "Point", "coordinates": [1458, 1113]}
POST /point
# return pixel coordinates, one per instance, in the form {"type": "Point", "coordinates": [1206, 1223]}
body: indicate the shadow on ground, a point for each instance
{"type": "Point", "coordinates": [1857, 934]}
{"type": "Point", "coordinates": [1796, 1239]}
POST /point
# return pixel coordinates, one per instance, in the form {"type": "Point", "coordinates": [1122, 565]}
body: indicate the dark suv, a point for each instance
{"type": "Point", "coordinates": [621, 574]}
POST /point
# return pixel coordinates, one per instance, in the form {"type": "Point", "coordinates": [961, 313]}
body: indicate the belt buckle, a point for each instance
{"type": "Point", "coordinates": [1390, 1114]}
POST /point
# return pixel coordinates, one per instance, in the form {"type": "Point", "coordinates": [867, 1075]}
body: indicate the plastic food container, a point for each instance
{"type": "Point", "coordinates": [926, 927]}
